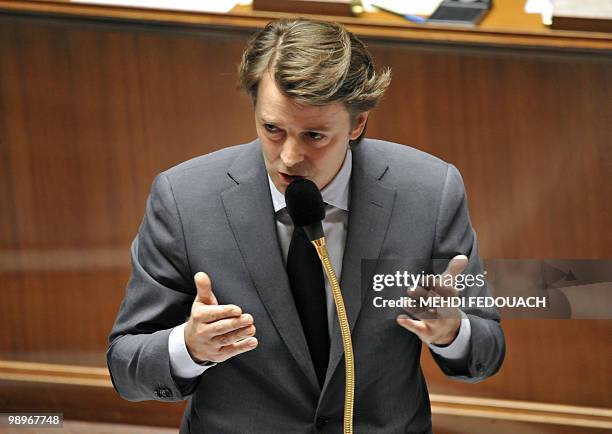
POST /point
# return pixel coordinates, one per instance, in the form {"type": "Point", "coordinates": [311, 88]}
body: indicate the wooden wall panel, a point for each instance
{"type": "Point", "coordinates": [90, 112]}
{"type": "Point", "coordinates": [529, 131]}
{"type": "Point", "coordinates": [55, 316]}
{"type": "Point", "coordinates": [558, 361]}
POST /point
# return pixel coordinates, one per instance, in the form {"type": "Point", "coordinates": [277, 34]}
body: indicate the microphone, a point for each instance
{"type": "Point", "coordinates": [306, 208]}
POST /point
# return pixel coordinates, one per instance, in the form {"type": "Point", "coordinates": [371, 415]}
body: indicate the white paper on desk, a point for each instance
{"type": "Point", "coordinates": [544, 7]}
{"type": "Point", "coordinates": [218, 6]}
{"type": "Point", "coordinates": [404, 7]}
{"type": "Point", "coordinates": [538, 6]}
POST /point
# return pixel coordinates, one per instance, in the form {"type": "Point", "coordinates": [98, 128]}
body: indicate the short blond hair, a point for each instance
{"type": "Point", "coordinates": [314, 62]}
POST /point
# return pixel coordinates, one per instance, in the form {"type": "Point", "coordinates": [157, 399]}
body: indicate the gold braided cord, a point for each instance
{"type": "Point", "coordinates": [349, 390]}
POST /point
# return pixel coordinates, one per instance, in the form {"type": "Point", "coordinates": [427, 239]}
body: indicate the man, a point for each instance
{"type": "Point", "coordinates": [211, 313]}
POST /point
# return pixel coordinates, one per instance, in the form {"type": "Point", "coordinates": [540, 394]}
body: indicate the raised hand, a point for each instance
{"type": "Point", "coordinates": [216, 332]}
{"type": "Point", "coordinates": [437, 326]}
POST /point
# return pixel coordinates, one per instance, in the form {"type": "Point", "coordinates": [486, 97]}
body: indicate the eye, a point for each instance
{"type": "Point", "coordinates": [315, 136]}
{"type": "Point", "coordinates": [271, 128]}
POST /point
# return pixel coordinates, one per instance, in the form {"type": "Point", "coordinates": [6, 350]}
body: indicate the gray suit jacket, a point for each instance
{"type": "Point", "coordinates": [215, 214]}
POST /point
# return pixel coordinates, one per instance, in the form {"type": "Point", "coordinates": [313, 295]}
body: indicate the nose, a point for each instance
{"type": "Point", "coordinates": [292, 153]}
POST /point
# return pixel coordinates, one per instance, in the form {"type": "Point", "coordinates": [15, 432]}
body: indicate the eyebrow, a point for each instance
{"type": "Point", "coordinates": [324, 127]}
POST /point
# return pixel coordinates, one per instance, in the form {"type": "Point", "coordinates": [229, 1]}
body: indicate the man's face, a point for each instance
{"type": "Point", "coordinates": [300, 140]}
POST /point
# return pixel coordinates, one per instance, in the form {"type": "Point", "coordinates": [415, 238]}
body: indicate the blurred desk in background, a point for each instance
{"type": "Point", "coordinates": [506, 24]}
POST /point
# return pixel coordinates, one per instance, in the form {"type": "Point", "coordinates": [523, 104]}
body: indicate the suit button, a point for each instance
{"type": "Point", "coordinates": [321, 422]}
{"type": "Point", "coordinates": [480, 368]}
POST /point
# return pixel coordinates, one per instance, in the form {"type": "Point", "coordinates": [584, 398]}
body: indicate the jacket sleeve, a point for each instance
{"type": "Point", "coordinates": [158, 297]}
{"type": "Point", "coordinates": [455, 236]}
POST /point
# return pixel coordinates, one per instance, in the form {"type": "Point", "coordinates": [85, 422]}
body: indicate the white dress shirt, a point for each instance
{"type": "Point", "coordinates": [336, 197]}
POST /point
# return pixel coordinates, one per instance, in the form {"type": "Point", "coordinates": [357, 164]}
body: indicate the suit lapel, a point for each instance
{"type": "Point", "coordinates": [370, 208]}
{"type": "Point", "coordinates": [249, 210]}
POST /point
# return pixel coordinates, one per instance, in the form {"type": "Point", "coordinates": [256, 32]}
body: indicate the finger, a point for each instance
{"type": "Point", "coordinates": [205, 314]}
{"type": "Point", "coordinates": [223, 326]}
{"type": "Point", "coordinates": [234, 336]}
{"type": "Point", "coordinates": [412, 313]}
{"type": "Point", "coordinates": [418, 310]}
{"type": "Point", "coordinates": [444, 286]}
{"type": "Point", "coordinates": [419, 328]}
{"type": "Point", "coordinates": [417, 292]}
{"type": "Point", "coordinates": [421, 313]}
{"type": "Point", "coordinates": [204, 287]}
{"type": "Point", "coordinates": [456, 266]}
{"type": "Point", "coordinates": [238, 348]}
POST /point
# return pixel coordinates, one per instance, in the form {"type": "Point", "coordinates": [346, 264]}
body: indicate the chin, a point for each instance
{"type": "Point", "coordinates": [280, 185]}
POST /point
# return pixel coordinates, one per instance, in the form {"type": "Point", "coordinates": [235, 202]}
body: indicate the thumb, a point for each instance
{"type": "Point", "coordinates": [204, 286]}
{"type": "Point", "coordinates": [456, 265]}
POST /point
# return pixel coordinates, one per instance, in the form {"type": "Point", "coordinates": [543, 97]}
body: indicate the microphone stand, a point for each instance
{"type": "Point", "coordinates": [307, 209]}
{"type": "Point", "coordinates": [349, 365]}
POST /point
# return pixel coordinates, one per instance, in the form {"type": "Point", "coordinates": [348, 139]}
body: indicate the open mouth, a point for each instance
{"type": "Point", "coordinates": [289, 178]}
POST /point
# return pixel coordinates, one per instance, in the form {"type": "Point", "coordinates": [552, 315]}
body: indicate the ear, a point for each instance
{"type": "Point", "coordinates": [360, 124]}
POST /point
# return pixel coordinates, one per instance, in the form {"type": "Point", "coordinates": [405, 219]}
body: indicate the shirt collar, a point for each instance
{"type": "Point", "coordinates": [336, 193]}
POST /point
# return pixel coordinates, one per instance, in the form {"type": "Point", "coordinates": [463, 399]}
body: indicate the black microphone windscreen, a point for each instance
{"type": "Point", "coordinates": [304, 202]}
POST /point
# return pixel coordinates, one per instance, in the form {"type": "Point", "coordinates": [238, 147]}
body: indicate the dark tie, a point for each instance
{"type": "Point", "coordinates": [308, 288]}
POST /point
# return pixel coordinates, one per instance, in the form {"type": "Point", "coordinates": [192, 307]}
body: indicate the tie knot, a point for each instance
{"type": "Point", "coordinates": [299, 231]}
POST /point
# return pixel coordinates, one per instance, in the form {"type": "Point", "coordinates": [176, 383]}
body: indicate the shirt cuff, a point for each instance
{"type": "Point", "coordinates": [181, 363]}
{"type": "Point", "coordinates": [460, 347]}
